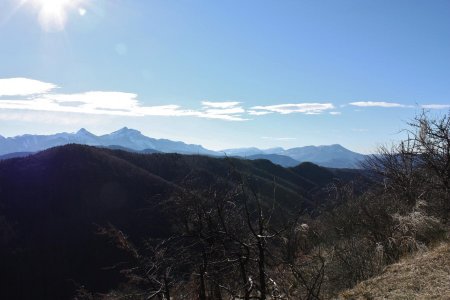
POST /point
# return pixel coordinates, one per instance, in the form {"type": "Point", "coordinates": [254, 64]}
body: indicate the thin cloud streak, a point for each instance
{"type": "Point", "coordinates": [228, 111]}
{"type": "Point", "coordinates": [284, 109]}
{"type": "Point", "coordinates": [436, 106]}
{"type": "Point", "coordinates": [377, 104]}
{"type": "Point", "coordinates": [258, 113]}
{"type": "Point", "coordinates": [228, 104]}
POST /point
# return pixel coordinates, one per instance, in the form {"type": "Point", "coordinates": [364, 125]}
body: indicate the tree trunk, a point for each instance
{"type": "Point", "coordinates": [202, 287]}
{"type": "Point", "coordinates": [244, 280]}
{"type": "Point", "coordinates": [166, 289]}
{"type": "Point", "coordinates": [262, 270]}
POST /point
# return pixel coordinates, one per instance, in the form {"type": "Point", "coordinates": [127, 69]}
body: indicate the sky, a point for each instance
{"type": "Point", "coordinates": [225, 74]}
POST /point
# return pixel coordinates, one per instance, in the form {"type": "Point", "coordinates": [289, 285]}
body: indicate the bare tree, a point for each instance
{"type": "Point", "coordinates": [432, 141]}
{"type": "Point", "coordinates": [418, 168]}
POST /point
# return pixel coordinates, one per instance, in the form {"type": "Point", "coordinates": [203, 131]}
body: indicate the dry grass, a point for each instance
{"type": "Point", "coordinates": [423, 276]}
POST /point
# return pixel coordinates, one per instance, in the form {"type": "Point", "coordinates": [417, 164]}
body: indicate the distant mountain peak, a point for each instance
{"type": "Point", "coordinates": [334, 155]}
{"type": "Point", "coordinates": [83, 131]}
{"type": "Point", "coordinates": [126, 130]}
{"type": "Point", "coordinates": [336, 146]}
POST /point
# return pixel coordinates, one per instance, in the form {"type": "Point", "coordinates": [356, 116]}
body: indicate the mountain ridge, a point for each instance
{"type": "Point", "coordinates": [333, 156]}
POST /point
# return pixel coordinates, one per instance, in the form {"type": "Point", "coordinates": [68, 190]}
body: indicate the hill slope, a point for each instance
{"type": "Point", "coordinates": [423, 276]}
{"type": "Point", "coordinates": [282, 160]}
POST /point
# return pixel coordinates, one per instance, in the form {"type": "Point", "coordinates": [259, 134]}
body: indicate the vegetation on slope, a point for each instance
{"type": "Point", "coordinates": [425, 275]}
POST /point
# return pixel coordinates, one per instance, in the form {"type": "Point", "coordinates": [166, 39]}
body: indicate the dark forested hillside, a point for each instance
{"type": "Point", "coordinates": [53, 203]}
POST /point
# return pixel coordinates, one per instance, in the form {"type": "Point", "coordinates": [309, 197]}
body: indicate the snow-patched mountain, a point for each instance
{"type": "Point", "coordinates": [128, 138]}
{"type": "Point", "coordinates": [125, 137]}
{"type": "Point", "coordinates": [334, 156]}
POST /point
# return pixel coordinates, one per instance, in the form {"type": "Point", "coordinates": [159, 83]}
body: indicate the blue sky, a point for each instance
{"type": "Point", "coordinates": [225, 73]}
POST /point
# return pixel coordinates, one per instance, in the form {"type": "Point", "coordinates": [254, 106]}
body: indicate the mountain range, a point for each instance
{"type": "Point", "coordinates": [334, 156]}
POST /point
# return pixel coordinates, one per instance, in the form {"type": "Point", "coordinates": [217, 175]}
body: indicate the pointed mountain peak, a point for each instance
{"type": "Point", "coordinates": [83, 131]}
{"type": "Point", "coordinates": [126, 130]}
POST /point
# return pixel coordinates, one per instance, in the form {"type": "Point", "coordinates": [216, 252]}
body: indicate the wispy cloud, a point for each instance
{"type": "Point", "coordinates": [305, 108]}
{"type": "Point", "coordinates": [335, 113]}
{"type": "Point", "coordinates": [229, 111]}
{"type": "Point", "coordinates": [258, 113]}
{"type": "Point", "coordinates": [394, 104]}
{"type": "Point", "coordinates": [170, 110]}
{"type": "Point", "coordinates": [436, 106]}
{"type": "Point", "coordinates": [228, 104]}
{"type": "Point", "coordinates": [377, 104]}
{"type": "Point", "coordinates": [24, 87]}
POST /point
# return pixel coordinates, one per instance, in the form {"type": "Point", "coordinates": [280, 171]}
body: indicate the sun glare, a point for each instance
{"type": "Point", "coordinates": [53, 13]}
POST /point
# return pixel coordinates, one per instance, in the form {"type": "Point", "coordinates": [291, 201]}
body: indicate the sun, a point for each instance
{"type": "Point", "coordinates": [53, 13]}
{"type": "Point", "coordinates": [53, 6]}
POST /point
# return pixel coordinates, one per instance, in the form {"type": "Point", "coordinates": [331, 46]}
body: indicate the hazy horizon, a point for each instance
{"type": "Point", "coordinates": [214, 149]}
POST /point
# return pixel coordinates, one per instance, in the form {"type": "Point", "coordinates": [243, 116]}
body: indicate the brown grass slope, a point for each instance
{"type": "Point", "coordinates": [422, 276]}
